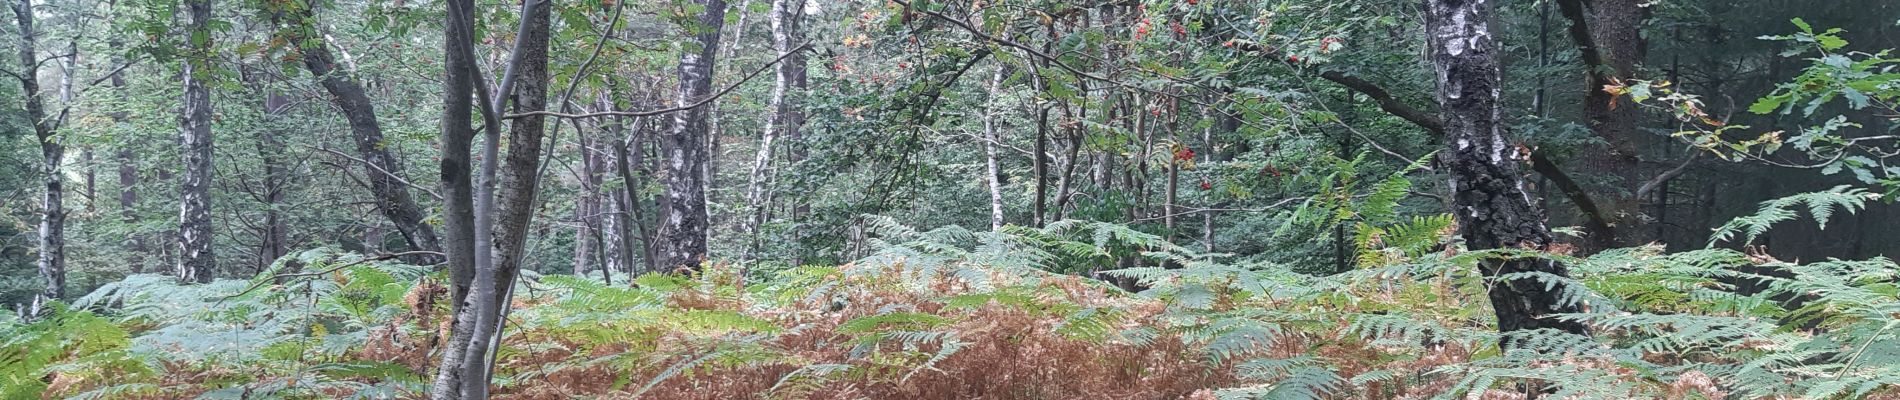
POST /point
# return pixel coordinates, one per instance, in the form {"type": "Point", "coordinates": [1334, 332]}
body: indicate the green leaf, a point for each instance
{"type": "Point", "coordinates": [1856, 98]}
{"type": "Point", "coordinates": [1769, 104]}
{"type": "Point", "coordinates": [1831, 42]}
{"type": "Point", "coordinates": [1640, 92]}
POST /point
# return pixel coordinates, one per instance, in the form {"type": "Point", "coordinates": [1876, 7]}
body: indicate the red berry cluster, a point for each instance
{"type": "Point", "coordinates": [1183, 154]}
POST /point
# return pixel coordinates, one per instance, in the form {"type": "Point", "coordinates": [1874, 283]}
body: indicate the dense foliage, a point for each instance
{"type": "Point", "coordinates": [996, 199]}
{"type": "Point", "coordinates": [949, 313]}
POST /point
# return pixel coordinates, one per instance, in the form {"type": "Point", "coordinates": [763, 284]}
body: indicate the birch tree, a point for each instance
{"type": "Point", "coordinates": [1491, 204]}
{"type": "Point", "coordinates": [681, 238]}
{"type": "Point", "coordinates": [197, 260]}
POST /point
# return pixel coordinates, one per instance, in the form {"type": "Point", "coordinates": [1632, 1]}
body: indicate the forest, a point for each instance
{"type": "Point", "coordinates": [950, 199]}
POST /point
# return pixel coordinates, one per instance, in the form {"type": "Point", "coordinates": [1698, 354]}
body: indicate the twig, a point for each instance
{"type": "Point", "coordinates": [715, 96]}
{"type": "Point", "coordinates": [1666, 176]}
{"type": "Point", "coordinates": [431, 193]}
{"type": "Point", "coordinates": [1197, 210]}
{"type": "Point", "coordinates": [384, 257]}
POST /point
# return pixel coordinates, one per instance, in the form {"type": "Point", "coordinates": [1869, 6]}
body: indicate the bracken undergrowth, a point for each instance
{"type": "Point", "coordinates": [954, 314]}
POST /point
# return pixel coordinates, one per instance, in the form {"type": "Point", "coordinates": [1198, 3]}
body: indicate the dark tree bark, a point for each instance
{"type": "Point", "coordinates": [587, 209]}
{"type": "Point", "coordinates": [276, 230]}
{"type": "Point", "coordinates": [1075, 133]}
{"type": "Point", "coordinates": [1040, 165]}
{"type": "Point", "coordinates": [1493, 209]}
{"type": "Point", "coordinates": [128, 177]}
{"type": "Point", "coordinates": [630, 154]}
{"type": "Point", "coordinates": [1225, 124]}
{"type": "Point", "coordinates": [52, 234]}
{"type": "Point", "coordinates": [128, 207]}
{"type": "Point", "coordinates": [515, 199]}
{"type": "Point", "coordinates": [197, 260]}
{"type": "Point", "coordinates": [1608, 36]}
{"type": "Point", "coordinates": [391, 192]}
{"type": "Point", "coordinates": [682, 235]}
{"type": "Point", "coordinates": [616, 245]}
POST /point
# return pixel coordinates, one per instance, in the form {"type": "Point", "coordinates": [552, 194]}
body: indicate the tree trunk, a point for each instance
{"type": "Point", "coordinates": [786, 118]}
{"type": "Point", "coordinates": [1065, 181]}
{"type": "Point", "coordinates": [514, 198]}
{"type": "Point", "coordinates": [991, 134]}
{"type": "Point", "coordinates": [616, 254]}
{"type": "Point", "coordinates": [458, 189]}
{"type": "Point", "coordinates": [610, 223]}
{"type": "Point", "coordinates": [1493, 209]}
{"type": "Point", "coordinates": [629, 154]}
{"type": "Point", "coordinates": [590, 211]}
{"type": "Point", "coordinates": [1608, 34]}
{"type": "Point", "coordinates": [196, 258]}
{"type": "Point", "coordinates": [128, 176]}
{"type": "Point", "coordinates": [66, 71]}
{"type": "Point", "coordinates": [1226, 124]}
{"type": "Point", "coordinates": [385, 170]}
{"type": "Point", "coordinates": [586, 212]}
{"type": "Point", "coordinates": [128, 208]}
{"type": "Point", "coordinates": [276, 236]}
{"type": "Point", "coordinates": [52, 234]}
{"type": "Point", "coordinates": [1173, 191]}
{"type": "Point", "coordinates": [682, 235]}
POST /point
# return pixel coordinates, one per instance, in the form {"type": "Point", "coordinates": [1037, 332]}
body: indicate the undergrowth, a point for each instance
{"type": "Point", "coordinates": [954, 314]}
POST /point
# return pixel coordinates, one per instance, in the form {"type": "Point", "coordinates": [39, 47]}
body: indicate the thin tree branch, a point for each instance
{"type": "Point", "coordinates": [1050, 59]}
{"type": "Point", "coordinates": [1659, 180]}
{"type": "Point", "coordinates": [275, 277]}
{"type": "Point", "coordinates": [1594, 220]}
{"type": "Point", "coordinates": [1196, 210]}
{"type": "Point", "coordinates": [432, 193]}
{"type": "Point", "coordinates": [1540, 161]}
{"type": "Point", "coordinates": [648, 113]}
{"type": "Point", "coordinates": [1573, 10]}
{"type": "Point", "coordinates": [1386, 101]}
{"type": "Point", "coordinates": [937, 94]}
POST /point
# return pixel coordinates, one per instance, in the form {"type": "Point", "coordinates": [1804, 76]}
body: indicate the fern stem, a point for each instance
{"type": "Point", "coordinates": [1863, 349]}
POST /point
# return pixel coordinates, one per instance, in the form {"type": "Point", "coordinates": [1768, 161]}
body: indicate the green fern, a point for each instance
{"type": "Point", "coordinates": [1820, 205]}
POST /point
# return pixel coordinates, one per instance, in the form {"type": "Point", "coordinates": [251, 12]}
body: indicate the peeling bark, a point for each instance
{"type": "Point", "coordinates": [683, 229]}
{"type": "Point", "coordinates": [52, 230]}
{"type": "Point", "coordinates": [197, 259]}
{"type": "Point", "coordinates": [991, 134]}
{"type": "Point", "coordinates": [786, 118]}
{"type": "Point", "coordinates": [1491, 204]}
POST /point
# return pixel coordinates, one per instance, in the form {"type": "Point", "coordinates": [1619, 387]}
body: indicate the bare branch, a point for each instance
{"type": "Point", "coordinates": [1659, 180]}
{"type": "Point", "coordinates": [398, 178]}
{"type": "Point", "coordinates": [384, 257]}
{"type": "Point", "coordinates": [696, 104]}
